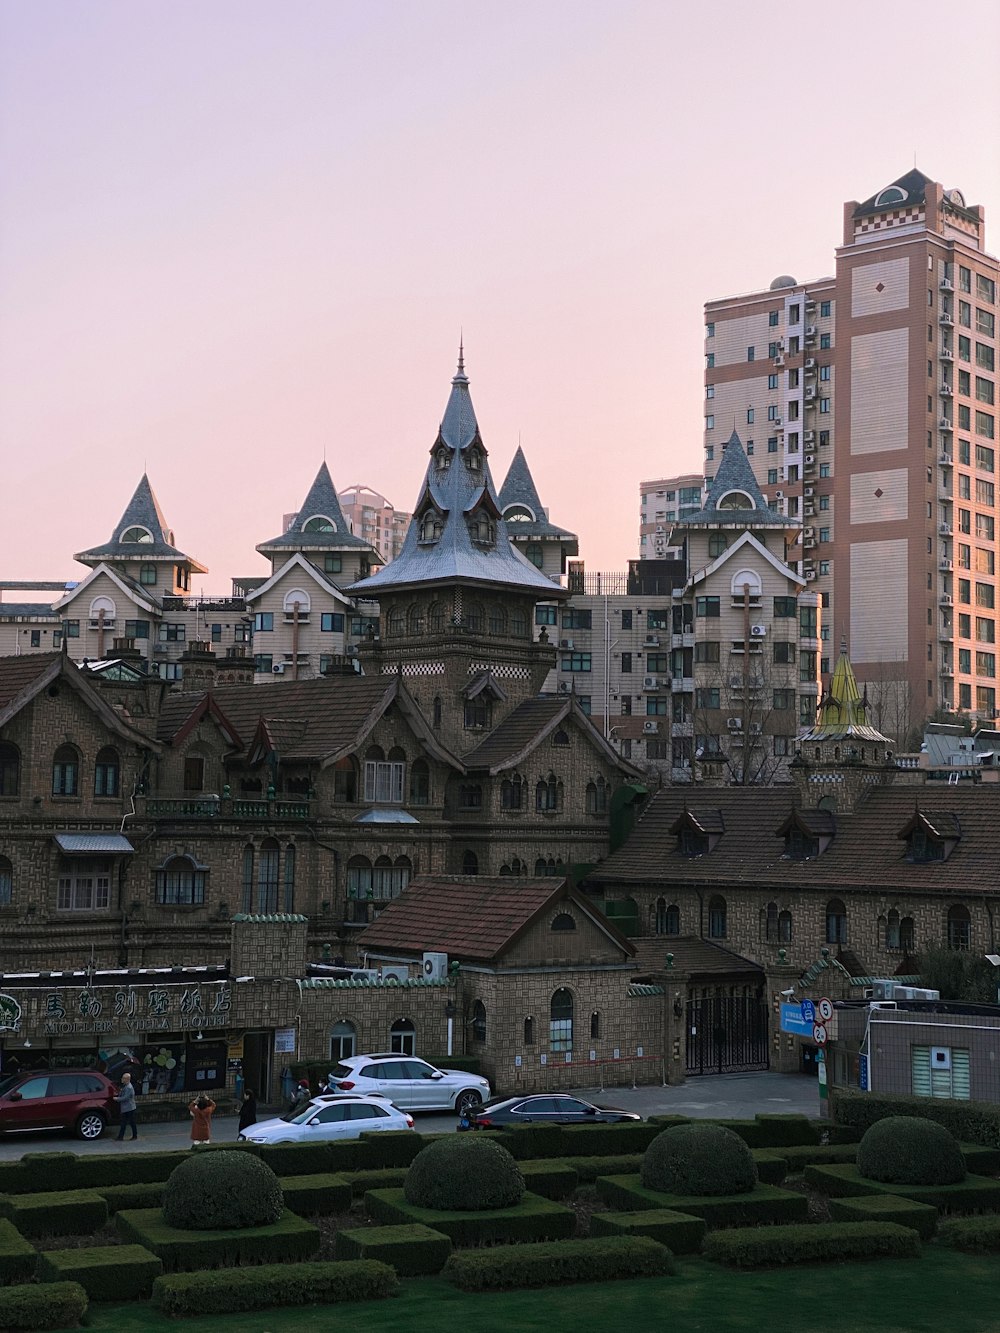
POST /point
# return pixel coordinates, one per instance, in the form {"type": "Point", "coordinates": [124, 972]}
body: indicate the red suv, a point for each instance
{"type": "Point", "coordinates": [80, 1100]}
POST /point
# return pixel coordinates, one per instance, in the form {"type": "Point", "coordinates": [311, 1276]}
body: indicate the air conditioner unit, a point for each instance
{"type": "Point", "coordinates": [755, 729]}
{"type": "Point", "coordinates": [734, 723]}
{"type": "Point", "coordinates": [882, 1004]}
{"type": "Point", "coordinates": [398, 974]}
{"type": "Point", "coordinates": [778, 423]}
{"type": "Point", "coordinates": [915, 993]}
{"type": "Point", "coordinates": [650, 682]}
{"type": "Point", "coordinates": [279, 668]}
{"type": "Point", "coordinates": [810, 363]}
{"type": "Point", "coordinates": [809, 436]}
{"type": "Point", "coordinates": [779, 360]}
{"type": "Point", "coordinates": [435, 966]}
{"type": "Point", "coordinates": [810, 395]}
{"type": "Point", "coordinates": [947, 285]}
{"type": "Point", "coordinates": [810, 330]}
{"type": "Point", "coordinates": [366, 974]}
{"type": "Point", "coordinates": [947, 354]}
{"type": "Point", "coordinates": [758, 631]}
{"type": "Point", "coordinates": [809, 492]}
{"type": "Point", "coordinates": [945, 391]}
{"type": "Point", "coordinates": [650, 728]}
{"type": "Point", "coordinates": [565, 643]}
{"type": "Point", "coordinates": [944, 424]}
{"type": "Point", "coordinates": [810, 460]}
{"type": "Point", "coordinates": [810, 575]}
{"type": "Point", "coordinates": [563, 687]}
{"type": "Point", "coordinates": [809, 532]}
{"type": "Point", "coordinates": [779, 495]}
{"type": "Point", "coordinates": [651, 641]}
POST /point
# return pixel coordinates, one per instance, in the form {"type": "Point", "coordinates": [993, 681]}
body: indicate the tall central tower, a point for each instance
{"type": "Point", "coordinates": [457, 603]}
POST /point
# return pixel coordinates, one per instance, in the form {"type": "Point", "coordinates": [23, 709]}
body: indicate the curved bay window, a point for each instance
{"type": "Point", "coordinates": [267, 875]}
{"type": "Point", "coordinates": [66, 771]}
{"type": "Point", "coordinates": [959, 927]}
{"type": "Point", "coordinates": [107, 771]}
{"type": "Point", "coordinates": [180, 882]}
{"type": "Point", "coordinates": [561, 1022]}
{"type": "Point", "coordinates": [836, 922]}
{"type": "Point", "coordinates": [10, 769]}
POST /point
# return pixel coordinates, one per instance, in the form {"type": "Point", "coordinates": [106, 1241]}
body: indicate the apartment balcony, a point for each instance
{"type": "Point", "coordinates": [225, 807]}
{"type": "Point", "coordinates": [946, 599]}
{"type": "Point", "coordinates": [945, 459]}
{"type": "Point", "coordinates": [946, 285]}
{"type": "Point", "coordinates": [946, 354]}
{"type": "Point", "coordinates": [945, 425]}
{"type": "Point", "coordinates": [946, 669]}
{"type": "Point", "coordinates": [682, 728]}
{"type": "Point", "coordinates": [945, 320]}
{"type": "Point", "coordinates": [944, 529]}
{"type": "Point", "coordinates": [946, 634]}
{"type": "Point", "coordinates": [946, 391]}
{"type": "Point", "coordinates": [945, 565]}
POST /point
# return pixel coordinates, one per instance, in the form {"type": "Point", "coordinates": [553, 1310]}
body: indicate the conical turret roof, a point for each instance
{"type": "Point", "coordinates": [456, 533]}
{"type": "Point", "coordinates": [519, 498]}
{"type": "Point", "coordinates": [843, 712]}
{"type": "Point", "coordinates": [141, 532]}
{"type": "Point", "coordinates": [319, 525]}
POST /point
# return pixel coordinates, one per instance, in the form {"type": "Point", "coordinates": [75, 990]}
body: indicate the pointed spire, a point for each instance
{"type": "Point", "coordinates": [520, 494]}
{"type": "Point", "coordinates": [735, 481]}
{"type": "Point", "coordinates": [319, 523]}
{"type": "Point", "coordinates": [146, 531]}
{"type": "Point", "coordinates": [460, 374]}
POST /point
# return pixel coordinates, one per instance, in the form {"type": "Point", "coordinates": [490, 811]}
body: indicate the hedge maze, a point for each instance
{"type": "Point", "coordinates": [243, 1228]}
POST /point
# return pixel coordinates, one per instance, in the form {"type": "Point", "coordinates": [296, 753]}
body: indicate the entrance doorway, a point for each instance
{"type": "Point", "coordinates": [258, 1064]}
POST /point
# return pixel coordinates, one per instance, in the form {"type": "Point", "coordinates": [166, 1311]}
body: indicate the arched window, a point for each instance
{"type": "Point", "coordinates": [784, 927]}
{"type": "Point", "coordinates": [892, 931]}
{"type": "Point", "coordinates": [289, 878]}
{"type": "Point", "coordinates": [668, 918]}
{"type": "Point", "coordinates": [518, 624]}
{"type": "Point", "coordinates": [382, 879]}
{"type": "Point", "coordinates": [133, 536]}
{"type": "Point", "coordinates": [420, 782]}
{"type": "Point", "coordinates": [561, 1022]}
{"type": "Point", "coordinates": [402, 869]}
{"type": "Point", "coordinates": [435, 616]}
{"type": "Point", "coordinates": [892, 194]}
{"type": "Point", "coordinates": [748, 580]}
{"type": "Point", "coordinates": [180, 882]}
{"type": "Point", "coordinates": [107, 771]}
{"type": "Point", "coordinates": [836, 922]}
{"type": "Point", "coordinates": [6, 881]}
{"type": "Point", "coordinates": [548, 793]}
{"type": "Point", "coordinates": [770, 923]}
{"type": "Point", "coordinates": [512, 793]}
{"type": "Point", "coordinates": [247, 897]}
{"type": "Point", "coordinates": [470, 864]}
{"type": "Point", "coordinates": [402, 1037]}
{"type": "Point", "coordinates": [479, 1021]}
{"type": "Point", "coordinates": [343, 1041]}
{"type": "Point", "coordinates": [10, 769]}
{"type": "Point", "coordinates": [529, 1031]}
{"type": "Point", "coordinates": [563, 921]}
{"type": "Point", "coordinates": [297, 597]}
{"type": "Point", "coordinates": [319, 523]}
{"type": "Point", "coordinates": [498, 619]}
{"type": "Point", "coordinates": [359, 877]}
{"type": "Point", "coordinates": [396, 621]}
{"type": "Point", "coordinates": [560, 738]}
{"type": "Point", "coordinates": [595, 1025]}
{"type": "Point", "coordinates": [415, 618]}
{"type": "Point", "coordinates": [267, 875]}
{"type": "Point", "coordinates": [442, 459]}
{"type": "Point", "coordinates": [597, 797]}
{"type": "Point", "coordinates": [470, 796]}
{"type": "Point", "coordinates": [474, 619]}
{"type": "Point", "coordinates": [540, 867]}
{"type": "Point", "coordinates": [66, 772]}
{"type": "Point", "coordinates": [959, 927]}
{"type": "Point", "coordinates": [717, 918]}
{"type": "Point", "coordinates": [906, 934]}
{"type": "Point", "coordinates": [345, 781]}
{"type": "Point", "coordinates": [103, 612]}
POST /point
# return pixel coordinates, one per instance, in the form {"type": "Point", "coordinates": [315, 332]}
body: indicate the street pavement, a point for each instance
{"type": "Point", "coordinates": [716, 1096]}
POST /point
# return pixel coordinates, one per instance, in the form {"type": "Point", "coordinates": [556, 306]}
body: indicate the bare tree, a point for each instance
{"type": "Point", "coordinates": [891, 701]}
{"type": "Point", "coordinates": [738, 714]}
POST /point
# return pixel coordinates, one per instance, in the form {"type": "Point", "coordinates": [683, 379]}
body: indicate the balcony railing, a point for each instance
{"type": "Point", "coordinates": [228, 807]}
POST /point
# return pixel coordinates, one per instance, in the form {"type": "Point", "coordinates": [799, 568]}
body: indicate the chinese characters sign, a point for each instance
{"type": "Point", "coordinates": [103, 1009]}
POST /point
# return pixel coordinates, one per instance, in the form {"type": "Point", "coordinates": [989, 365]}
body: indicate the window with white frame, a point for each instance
{"type": "Point", "coordinates": [84, 886]}
{"type": "Point", "coordinates": [384, 781]}
{"type": "Point", "coordinates": [940, 1071]}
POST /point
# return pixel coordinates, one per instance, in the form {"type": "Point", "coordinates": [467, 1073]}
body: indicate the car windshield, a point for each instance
{"type": "Point", "coordinates": [301, 1117]}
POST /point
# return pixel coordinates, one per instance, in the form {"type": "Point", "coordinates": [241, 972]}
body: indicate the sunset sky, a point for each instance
{"type": "Point", "coordinates": [236, 235]}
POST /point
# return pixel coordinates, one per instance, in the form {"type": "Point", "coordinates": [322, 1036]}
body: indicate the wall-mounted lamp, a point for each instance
{"type": "Point", "coordinates": [678, 1007]}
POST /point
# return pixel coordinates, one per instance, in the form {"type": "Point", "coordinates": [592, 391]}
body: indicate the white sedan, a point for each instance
{"type": "Point", "coordinates": [329, 1118]}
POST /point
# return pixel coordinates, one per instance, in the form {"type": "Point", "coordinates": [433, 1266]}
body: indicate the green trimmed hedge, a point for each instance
{"type": "Point", "coordinates": [763, 1205]}
{"type": "Point", "coordinates": [910, 1150]}
{"type": "Point", "coordinates": [316, 1196]}
{"type": "Point", "coordinates": [702, 1158]}
{"type": "Point", "coordinates": [830, 1154]}
{"type": "Point", "coordinates": [363, 1181]}
{"type": "Point", "coordinates": [413, 1250]}
{"type": "Point", "coordinates": [289, 1240]}
{"type": "Point", "coordinates": [970, 1122]}
{"type": "Point", "coordinates": [67, 1171]}
{"type": "Point", "coordinates": [117, 1197]}
{"type": "Point", "coordinates": [396, 1147]}
{"type": "Point", "coordinates": [60, 1213]}
{"type": "Point", "coordinates": [514, 1266]}
{"type": "Point", "coordinates": [533, 1219]}
{"type": "Point", "coordinates": [222, 1191]}
{"type": "Point", "coordinates": [981, 1160]}
{"type": "Point", "coordinates": [772, 1166]}
{"type": "Point", "coordinates": [978, 1235]}
{"type": "Point", "coordinates": [823, 1242]}
{"type": "Point", "coordinates": [54, 1305]}
{"type": "Point", "coordinates": [921, 1217]}
{"type": "Point", "coordinates": [973, 1194]}
{"type": "Point", "coordinates": [297, 1159]}
{"type": "Point", "coordinates": [753, 1134]}
{"type": "Point", "coordinates": [242, 1289]}
{"type": "Point", "coordinates": [682, 1233]}
{"type": "Point", "coordinates": [464, 1173]}
{"type": "Point", "coordinates": [527, 1142]}
{"type": "Point", "coordinates": [105, 1272]}
{"type": "Point", "coordinates": [350, 1155]}
{"type": "Point", "coordinates": [788, 1131]}
{"type": "Point", "coordinates": [551, 1180]}
{"type": "Point", "coordinates": [17, 1257]}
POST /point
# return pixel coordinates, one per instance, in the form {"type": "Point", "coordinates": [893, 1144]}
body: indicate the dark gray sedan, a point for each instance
{"type": "Point", "coordinates": [553, 1108]}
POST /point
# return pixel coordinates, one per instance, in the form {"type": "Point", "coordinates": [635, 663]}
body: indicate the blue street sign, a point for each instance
{"type": "Point", "coordinates": [792, 1021]}
{"type": "Point", "coordinates": [863, 1072]}
{"type": "Point", "coordinates": [808, 1011]}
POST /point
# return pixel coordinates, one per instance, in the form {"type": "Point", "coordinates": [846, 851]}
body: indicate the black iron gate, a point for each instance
{"type": "Point", "coordinates": [726, 1034]}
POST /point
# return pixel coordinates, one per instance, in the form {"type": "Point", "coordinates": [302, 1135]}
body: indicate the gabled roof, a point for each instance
{"type": "Point", "coordinates": [746, 539]}
{"type": "Point", "coordinates": [913, 185]}
{"type": "Point", "coordinates": [519, 490]}
{"type": "Point", "coordinates": [142, 511]}
{"type": "Point", "coordinates": [132, 590]}
{"type": "Point", "coordinates": [702, 821]}
{"type": "Point", "coordinates": [24, 677]}
{"type": "Point", "coordinates": [943, 825]}
{"type": "Point", "coordinates": [735, 475]}
{"type": "Point", "coordinates": [476, 919]}
{"type": "Point", "coordinates": [454, 490]}
{"type": "Point", "coordinates": [298, 561]}
{"type": "Point", "coordinates": [321, 502]}
{"type": "Point", "coordinates": [530, 723]}
{"type": "Point", "coordinates": [816, 823]}
{"type": "Point", "coordinates": [691, 956]}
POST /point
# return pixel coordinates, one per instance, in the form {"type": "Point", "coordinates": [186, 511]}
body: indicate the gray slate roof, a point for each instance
{"type": "Point", "coordinates": [456, 491]}
{"type": "Point", "coordinates": [142, 511]}
{"type": "Point", "coordinates": [321, 500]}
{"type": "Point", "coordinates": [735, 474]}
{"type": "Point", "coordinates": [913, 184]}
{"type": "Point", "coordinates": [519, 489]}
{"type": "Point", "coordinates": [29, 610]}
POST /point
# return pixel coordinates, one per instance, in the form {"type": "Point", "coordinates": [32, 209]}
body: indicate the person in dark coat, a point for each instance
{"type": "Point", "coordinates": [248, 1111]}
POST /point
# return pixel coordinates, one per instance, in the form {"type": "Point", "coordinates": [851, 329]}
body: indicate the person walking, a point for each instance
{"type": "Point", "coordinates": [201, 1119]}
{"type": "Point", "coordinates": [248, 1111]}
{"type": "Point", "coordinates": [125, 1098]}
{"type": "Point", "coordinates": [301, 1098]}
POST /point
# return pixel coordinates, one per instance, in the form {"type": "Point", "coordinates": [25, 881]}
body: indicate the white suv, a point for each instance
{"type": "Point", "coordinates": [411, 1084]}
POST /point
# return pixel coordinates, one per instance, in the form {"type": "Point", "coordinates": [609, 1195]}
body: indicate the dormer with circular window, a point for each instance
{"type": "Point", "coordinates": [136, 536]}
{"type": "Point", "coordinates": [319, 523]}
{"type": "Point", "coordinates": [518, 513]}
{"type": "Point", "coordinates": [735, 500]}
{"type": "Point", "coordinates": [297, 605]}
{"type": "Point", "coordinates": [890, 196]}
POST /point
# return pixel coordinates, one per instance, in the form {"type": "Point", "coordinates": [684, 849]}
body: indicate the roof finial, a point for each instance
{"type": "Point", "coordinates": [461, 351]}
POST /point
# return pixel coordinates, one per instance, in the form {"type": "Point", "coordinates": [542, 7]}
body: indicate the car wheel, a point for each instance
{"type": "Point", "coordinates": [467, 1101]}
{"type": "Point", "coordinates": [90, 1125]}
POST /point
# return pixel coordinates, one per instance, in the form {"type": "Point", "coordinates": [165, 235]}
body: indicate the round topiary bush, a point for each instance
{"type": "Point", "coordinates": [700, 1158]}
{"type": "Point", "coordinates": [216, 1191]}
{"type": "Point", "coordinates": [909, 1150]}
{"type": "Point", "coordinates": [464, 1173]}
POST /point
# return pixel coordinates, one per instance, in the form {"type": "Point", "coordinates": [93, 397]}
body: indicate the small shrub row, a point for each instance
{"type": "Point", "coordinates": [589, 1168]}
{"type": "Point", "coordinates": [105, 1272]}
{"type": "Point", "coordinates": [682, 1233]}
{"type": "Point", "coordinates": [600, 1260]}
{"type": "Point", "coordinates": [289, 1240]}
{"type": "Point", "coordinates": [978, 1235]}
{"type": "Point", "coordinates": [772, 1165]}
{"type": "Point", "coordinates": [981, 1160]}
{"type": "Point", "coordinates": [316, 1196]}
{"type": "Point", "coordinates": [974, 1193]}
{"type": "Point", "coordinates": [412, 1250]}
{"type": "Point", "coordinates": [55, 1305]}
{"type": "Point", "coordinates": [63, 1213]}
{"type": "Point", "coordinates": [241, 1289]}
{"type": "Point", "coordinates": [971, 1122]}
{"type": "Point", "coordinates": [117, 1197]}
{"type": "Point", "coordinates": [532, 1219]}
{"type": "Point", "coordinates": [388, 1148]}
{"type": "Point", "coordinates": [526, 1142]}
{"type": "Point", "coordinates": [363, 1181]}
{"type": "Point", "coordinates": [920, 1217]}
{"type": "Point", "coordinates": [550, 1180]}
{"type": "Point", "coordinates": [762, 1206]}
{"type": "Point", "coordinates": [17, 1257]}
{"type": "Point", "coordinates": [829, 1154]}
{"type": "Point", "coordinates": [823, 1242]}
{"type": "Point", "coordinates": [66, 1171]}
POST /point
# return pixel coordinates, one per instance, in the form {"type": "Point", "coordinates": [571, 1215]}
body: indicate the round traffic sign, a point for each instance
{"type": "Point", "coordinates": [825, 1010]}
{"type": "Point", "coordinates": [819, 1034]}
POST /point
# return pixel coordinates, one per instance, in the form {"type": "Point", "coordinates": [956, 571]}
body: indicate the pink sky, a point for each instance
{"type": "Point", "coordinates": [234, 235]}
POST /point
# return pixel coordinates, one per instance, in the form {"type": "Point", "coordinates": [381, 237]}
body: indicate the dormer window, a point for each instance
{"type": "Point", "coordinates": [735, 500]}
{"type": "Point", "coordinates": [891, 195]}
{"type": "Point", "coordinates": [473, 460]}
{"type": "Point", "coordinates": [930, 835]}
{"type": "Point", "coordinates": [431, 526]}
{"type": "Point", "coordinates": [800, 845]}
{"type": "Point", "coordinates": [133, 535]}
{"type": "Point", "coordinates": [482, 530]}
{"type": "Point", "coordinates": [807, 833]}
{"type": "Point", "coordinates": [692, 843]}
{"type": "Point", "coordinates": [442, 459]}
{"type": "Point", "coordinates": [518, 513]}
{"type": "Point", "coordinates": [319, 523]}
{"type": "Point", "coordinates": [697, 832]}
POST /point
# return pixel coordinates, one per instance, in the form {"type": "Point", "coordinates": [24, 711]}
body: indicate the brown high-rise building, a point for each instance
{"type": "Point", "coordinates": [868, 403]}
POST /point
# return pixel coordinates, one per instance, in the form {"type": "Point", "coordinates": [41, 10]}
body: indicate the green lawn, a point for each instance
{"type": "Point", "coordinates": [943, 1289]}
